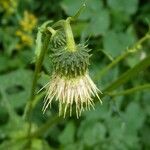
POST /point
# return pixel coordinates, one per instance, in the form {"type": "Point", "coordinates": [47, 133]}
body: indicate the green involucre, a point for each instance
{"type": "Point", "coordinates": [71, 64]}
{"type": "Point", "coordinates": [58, 40]}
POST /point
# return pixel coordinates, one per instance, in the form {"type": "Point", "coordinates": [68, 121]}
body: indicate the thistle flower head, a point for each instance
{"type": "Point", "coordinates": [70, 83]}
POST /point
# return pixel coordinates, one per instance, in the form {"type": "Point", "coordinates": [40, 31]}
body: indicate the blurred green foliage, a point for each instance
{"type": "Point", "coordinates": [109, 27]}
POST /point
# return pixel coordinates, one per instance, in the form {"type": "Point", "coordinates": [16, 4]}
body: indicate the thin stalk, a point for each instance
{"type": "Point", "coordinates": [113, 63]}
{"type": "Point", "coordinates": [53, 32]}
{"type": "Point", "coordinates": [38, 65]}
{"type": "Point", "coordinates": [59, 23]}
{"type": "Point", "coordinates": [69, 36]}
{"type": "Point", "coordinates": [131, 90]}
{"type": "Point", "coordinates": [128, 75]}
{"type": "Point", "coordinates": [68, 32]}
{"type": "Point", "coordinates": [76, 16]}
{"type": "Point", "coordinates": [124, 55]}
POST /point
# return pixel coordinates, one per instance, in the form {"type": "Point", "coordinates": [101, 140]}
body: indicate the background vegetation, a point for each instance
{"type": "Point", "coordinates": [112, 28]}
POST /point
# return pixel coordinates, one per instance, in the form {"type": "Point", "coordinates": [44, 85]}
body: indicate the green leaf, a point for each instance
{"type": "Point", "coordinates": [92, 133]}
{"type": "Point", "coordinates": [123, 129]}
{"type": "Point", "coordinates": [17, 85]}
{"type": "Point", "coordinates": [99, 23]}
{"type": "Point", "coordinates": [98, 17]}
{"type": "Point", "coordinates": [116, 43]}
{"type": "Point", "coordinates": [9, 41]}
{"type": "Point", "coordinates": [14, 144]}
{"type": "Point", "coordinates": [67, 136]}
{"type": "Point", "coordinates": [100, 112]}
{"type": "Point", "coordinates": [126, 6]}
{"type": "Point", "coordinates": [71, 7]}
{"type": "Point", "coordinates": [134, 118]}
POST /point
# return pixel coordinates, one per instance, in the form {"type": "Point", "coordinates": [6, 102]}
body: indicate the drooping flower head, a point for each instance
{"type": "Point", "coordinates": [70, 82]}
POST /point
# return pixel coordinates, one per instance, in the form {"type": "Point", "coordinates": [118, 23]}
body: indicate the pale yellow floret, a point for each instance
{"type": "Point", "coordinates": [78, 91]}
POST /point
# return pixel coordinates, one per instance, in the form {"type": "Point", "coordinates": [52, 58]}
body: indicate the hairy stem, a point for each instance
{"type": "Point", "coordinates": [38, 65]}
{"type": "Point", "coordinates": [29, 106]}
{"type": "Point", "coordinates": [128, 75]}
{"type": "Point", "coordinates": [124, 55]}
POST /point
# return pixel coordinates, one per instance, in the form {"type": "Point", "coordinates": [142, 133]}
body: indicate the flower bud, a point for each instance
{"type": "Point", "coordinates": [58, 40]}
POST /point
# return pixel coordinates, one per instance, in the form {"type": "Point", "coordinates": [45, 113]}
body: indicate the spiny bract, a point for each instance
{"type": "Point", "coordinates": [71, 64]}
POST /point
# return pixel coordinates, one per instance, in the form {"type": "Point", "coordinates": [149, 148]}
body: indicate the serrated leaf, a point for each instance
{"type": "Point", "coordinates": [134, 117]}
{"type": "Point", "coordinates": [17, 85]}
{"type": "Point", "coordinates": [99, 23]}
{"type": "Point", "coordinates": [93, 133]}
{"type": "Point", "coordinates": [116, 43]}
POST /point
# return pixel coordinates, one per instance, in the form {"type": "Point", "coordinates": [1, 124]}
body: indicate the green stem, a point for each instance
{"type": "Point", "coordinates": [114, 62]}
{"type": "Point", "coordinates": [58, 24]}
{"type": "Point", "coordinates": [131, 90]}
{"type": "Point", "coordinates": [124, 55]}
{"type": "Point", "coordinates": [38, 98]}
{"type": "Point", "coordinates": [128, 75]}
{"type": "Point", "coordinates": [41, 47]}
{"type": "Point", "coordinates": [68, 31]}
{"type": "Point", "coordinates": [53, 32]}
{"type": "Point", "coordinates": [29, 106]}
{"type": "Point", "coordinates": [38, 65]}
{"type": "Point", "coordinates": [78, 12]}
{"type": "Point", "coordinates": [69, 36]}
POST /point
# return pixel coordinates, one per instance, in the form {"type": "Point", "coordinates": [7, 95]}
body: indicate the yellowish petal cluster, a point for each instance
{"type": "Point", "coordinates": [9, 6]}
{"type": "Point", "coordinates": [28, 22]}
{"type": "Point", "coordinates": [25, 31]}
{"type": "Point", "coordinates": [25, 38]}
